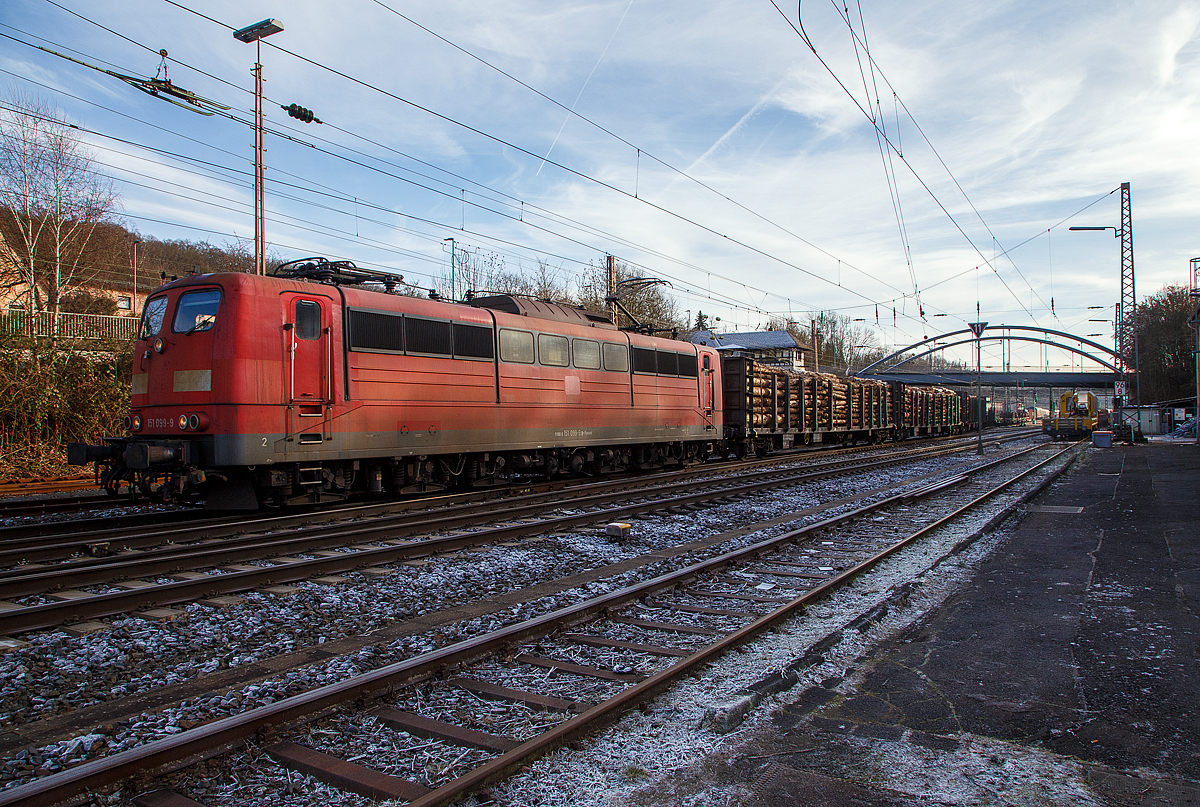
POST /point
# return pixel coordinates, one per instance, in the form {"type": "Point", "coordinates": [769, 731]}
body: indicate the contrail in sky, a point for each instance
{"type": "Point", "coordinates": [584, 87]}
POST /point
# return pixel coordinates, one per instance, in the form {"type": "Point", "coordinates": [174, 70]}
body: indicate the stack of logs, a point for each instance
{"type": "Point", "coordinates": [854, 400]}
{"type": "Point", "coordinates": [931, 406]}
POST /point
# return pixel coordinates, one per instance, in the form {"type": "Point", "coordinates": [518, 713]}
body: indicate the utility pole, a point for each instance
{"type": "Point", "coordinates": [255, 33]}
{"type": "Point", "coordinates": [816, 351]}
{"type": "Point", "coordinates": [611, 262]}
{"type": "Point", "coordinates": [453, 296]}
{"type": "Point", "coordinates": [134, 304]}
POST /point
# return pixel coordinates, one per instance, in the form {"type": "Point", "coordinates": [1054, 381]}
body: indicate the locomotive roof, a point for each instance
{"type": "Point", "coordinates": [529, 307]}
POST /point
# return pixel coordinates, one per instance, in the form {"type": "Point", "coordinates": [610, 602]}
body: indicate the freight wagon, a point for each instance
{"type": "Point", "coordinates": [770, 408]}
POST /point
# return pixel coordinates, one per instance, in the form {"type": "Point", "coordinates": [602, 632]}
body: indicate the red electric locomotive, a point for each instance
{"type": "Point", "coordinates": [318, 381]}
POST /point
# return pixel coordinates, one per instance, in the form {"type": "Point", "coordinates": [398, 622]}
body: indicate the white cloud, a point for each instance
{"type": "Point", "coordinates": [1037, 108]}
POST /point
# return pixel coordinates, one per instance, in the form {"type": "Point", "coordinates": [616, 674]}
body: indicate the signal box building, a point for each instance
{"type": "Point", "coordinates": [774, 348]}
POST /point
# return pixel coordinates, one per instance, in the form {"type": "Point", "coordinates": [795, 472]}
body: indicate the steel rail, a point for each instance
{"type": "Point", "coordinates": [25, 549]}
{"type": "Point", "coordinates": [168, 541]}
{"type": "Point", "coordinates": [51, 614]}
{"type": "Point", "coordinates": [23, 507]}
{"type": "Point", "coordinates": [91, 776]}
{"type": "Point", "coordinates": [34, 536]}
{"type": "Point", "coordinates": [586, 722]}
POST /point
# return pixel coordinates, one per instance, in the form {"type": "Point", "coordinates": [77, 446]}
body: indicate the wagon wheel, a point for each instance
{"type": "Point", "coordinates": [110, 480]}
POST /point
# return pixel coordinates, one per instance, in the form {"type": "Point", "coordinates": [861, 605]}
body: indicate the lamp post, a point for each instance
{"type": "Point", "coordinates": [255, 33]}
{"type": "Point", "coordinates": [977, 329]}
{"type": "Point", "coordinates": [134, 304]}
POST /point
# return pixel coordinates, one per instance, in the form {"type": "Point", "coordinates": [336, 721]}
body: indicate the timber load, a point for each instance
{"type": "Point", "coordinates": [931, 410]}
{"type": "Point", "coordinates": [765, 401]}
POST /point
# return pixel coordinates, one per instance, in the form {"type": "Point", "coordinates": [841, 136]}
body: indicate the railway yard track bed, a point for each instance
{"type": "Point", "coordinates": [717, 602]}
{"type": "Point", "coordinates": [462, 575]}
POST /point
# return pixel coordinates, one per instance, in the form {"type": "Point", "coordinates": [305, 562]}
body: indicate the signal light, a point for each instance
{"type": "Point", "coordinates": [300, 113]}
{"type": "Point", "coordinates": [137, 423]}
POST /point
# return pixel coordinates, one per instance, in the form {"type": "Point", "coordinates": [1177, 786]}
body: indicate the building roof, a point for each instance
{"type": "Point", "coordinates": [750, 340]}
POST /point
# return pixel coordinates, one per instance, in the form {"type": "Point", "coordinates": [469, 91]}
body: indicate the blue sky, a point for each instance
{"type": "Point", "coordinates": [776, 200]}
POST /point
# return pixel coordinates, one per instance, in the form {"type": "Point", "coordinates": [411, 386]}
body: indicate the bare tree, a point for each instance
{"type": "Point", "coordinates": [52, 201]}
{"type": "Point", "coordinates": [651, 305]}
{"type": "Point", "coordinates": [841, 345]}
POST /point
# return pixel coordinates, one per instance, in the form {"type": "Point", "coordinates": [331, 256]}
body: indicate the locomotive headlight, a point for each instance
{"type": "Point", "coordinates": [183, 423]}
{"type": "Point", "coordinates": [197, 422]}
{"type": "Point", "coordinates": [136, 423]}
{"type": "Point", "coordinates": [159, 344]}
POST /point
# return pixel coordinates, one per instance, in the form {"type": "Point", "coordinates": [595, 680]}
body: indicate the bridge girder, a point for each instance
{"type": "Point", "coordinates": [971, 341]}
{"type": "Point", "coordinates": [1111, 365]}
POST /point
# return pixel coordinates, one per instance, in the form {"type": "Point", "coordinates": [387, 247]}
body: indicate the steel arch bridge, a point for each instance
{"type": "Point", "coordinates": [886, 368]}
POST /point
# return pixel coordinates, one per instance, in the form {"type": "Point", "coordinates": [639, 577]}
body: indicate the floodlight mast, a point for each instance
{"type": "Point", "coordinates": [1125, 327]}
{"type": "Point", "coordinates": [254, 33]}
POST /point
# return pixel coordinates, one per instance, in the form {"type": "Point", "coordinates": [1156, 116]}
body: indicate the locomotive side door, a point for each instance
{"type": "Point", "coordinates": [307, 335]}
{"type": "Point", "coordinates": [706, 386]}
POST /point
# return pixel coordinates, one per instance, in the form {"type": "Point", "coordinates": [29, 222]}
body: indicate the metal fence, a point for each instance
{"type": "Point", "coordinates": [67, 326]}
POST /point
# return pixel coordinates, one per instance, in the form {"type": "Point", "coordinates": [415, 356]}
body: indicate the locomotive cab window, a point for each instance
{"type": "Point", "coordinates": [152, 317]}
{"type": "Point", "coordinates": [516, 346]}
{"type": "Point", "coordinates": [308, 320]}
{"type": "Point", "coordinates": [196, 311]}
{"type": "Point", "coordinates": [553, 350]}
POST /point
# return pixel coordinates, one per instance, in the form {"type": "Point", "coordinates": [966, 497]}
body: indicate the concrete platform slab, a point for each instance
{"type": "Point", "coordinates": [1073, 654]}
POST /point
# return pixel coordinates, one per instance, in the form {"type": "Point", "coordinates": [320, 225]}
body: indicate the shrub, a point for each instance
{"type": "Point", "coordinates": [53, 392]}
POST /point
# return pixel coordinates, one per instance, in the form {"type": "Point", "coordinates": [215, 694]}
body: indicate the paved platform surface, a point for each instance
{"type": "Point", "coordinates": [1078, 641]}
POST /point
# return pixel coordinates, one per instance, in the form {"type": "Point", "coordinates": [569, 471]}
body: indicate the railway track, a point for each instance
{"type": "Point", "coordinates": [60, 505]}
{"type": "Point", "coordinates": [112, 572]}
{"type": "Point", "coordinates": [30, 487]}
{"type": "Point", "coordinates": [86, 504]}
{"type": "Point", "coordinates": [28, 533]}
{"type": "Point", "coordinates": [558, 675]}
